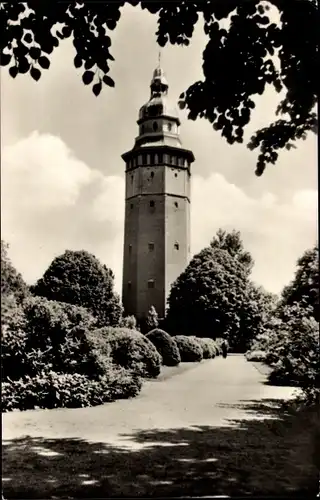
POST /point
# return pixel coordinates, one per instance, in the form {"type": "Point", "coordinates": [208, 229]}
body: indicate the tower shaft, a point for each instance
{"type": "Point", "coordinates": [157, 206]}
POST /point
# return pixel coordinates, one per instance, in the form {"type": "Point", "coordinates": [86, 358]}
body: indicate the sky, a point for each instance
{"type": "Point", "coordinates": [63, 176]}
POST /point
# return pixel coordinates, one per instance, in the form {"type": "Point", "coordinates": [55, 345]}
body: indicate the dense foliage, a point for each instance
{"type": "Point", "coordinates": [12, 282]}
{"type": "Point", "coordinates": [294, 352]}
{"type": "Point", "coordinates": [131, 350]}
{"type": "Point", "coordinates": [41, 336]}
{"type": "Point", "coordinates": [152, 319]}
{"type": "Point", "coordinates": [214, 297]}
{"type": "Point", "coordinates": [128, 322]}
{"type": "Point", "coordinates": [78, 278]}
{"type": "Point", "coordinates": [189, 348]}
{"type": "Point", "coordinates": [51, 357]}
{"type": "Point", "coordinates": [289, 341]}
{"type": "Point", "coordinates": [66, 390]}
{"type": "Point", "coordinates": [304, 288]}
{"type": "Point", "coordinates": [233, 244]}
{"type": "Point", "coordinates": [257, 36]}
{"type": "Point", "coordinates": [166, 346]}
{"type": "Point", "coordinates": [209, 348]}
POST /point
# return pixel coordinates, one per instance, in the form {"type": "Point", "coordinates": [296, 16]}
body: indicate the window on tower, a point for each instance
{"type": "Point", "coordinates": [144, 159]}
{"type": "Point", "coordinates": [155, 126]}
{"type": "Point", "coordinates": [160, 158]}
{"type": "Point", "coordinates": [152, 175]}
{"type": "Point", "coordinates": [151, 247]}
{"type": "Point", "coordinates": [150, 283]}
{"type": "Point", "coordinates": [151, 203]}
{"type": "Point", "coordinates": [176, 246]}
{"type": "Point", "coordinates": [142, 129]}
{"type": "Point", "coordinates": [130, 248]}
{"type": "Point", "coordinates": [176, 204]}
{"type": "Point", "coordinates": [169, 127]}
{"type": "Point", "coordinates": [129, 285]}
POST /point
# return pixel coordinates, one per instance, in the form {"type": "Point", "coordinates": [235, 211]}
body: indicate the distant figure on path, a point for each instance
{"type": "Point", "coordinates": [224, 347]}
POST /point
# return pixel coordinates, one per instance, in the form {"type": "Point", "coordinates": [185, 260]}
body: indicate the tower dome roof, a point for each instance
{"type": "Point", "coordinates": [159, 103]}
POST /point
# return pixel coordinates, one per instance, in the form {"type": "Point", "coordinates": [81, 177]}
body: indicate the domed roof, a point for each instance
{"type": "Point", "coordinates": [158, 104]}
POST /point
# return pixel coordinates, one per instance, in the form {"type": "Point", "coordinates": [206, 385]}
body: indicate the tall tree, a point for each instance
{"type": "Point", "coordinates": [78, 278]}
{"type": "Point", "coordinates": [239, 61]}
{"type": "Point", "coordinates": [232, 243]}
{"type": "Point", "coordinates": [214, 298]}
{"type": "Point", "coordinates": [12, 282]}
{"type": "Point", "coordinates": [304, 288]}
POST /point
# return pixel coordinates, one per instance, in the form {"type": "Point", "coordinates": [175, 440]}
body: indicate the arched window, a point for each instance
{"type": "Point", "coordinates": [176, 204]}
{"type": "Point", "coordinates": [152, 175]}
{"type": "Point", "coordinates": [151, 203]}
{"type": "Point", "coordinates": [176, 246]}
{"type": "Point", "coordinates": [169, 127]}
{"type": "Point", "coordinates": [142, 129]}
{"type": "Point", "coordinates": [155, 126]}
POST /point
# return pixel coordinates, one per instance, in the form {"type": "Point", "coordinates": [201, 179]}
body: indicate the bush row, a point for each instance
{"type": "Point", "coordinates": [66, 390]}
{"type": "Point", "coordinates": [290, 346]}
{"type": "Point", "coordinates": [53, 354]}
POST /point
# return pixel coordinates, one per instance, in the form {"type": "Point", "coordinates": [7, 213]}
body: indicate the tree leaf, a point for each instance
{"type": "Point", "coordinates": [35, 52]}
{"type": "Point", "coordinates": [89, 63]}
{"type": "Point", "coordinates": [13, 71]}
{"type": "Point", "coordinates": [87, 77]}
{"type": "Point", "coordinates": [44, 62]}
{"type": "Point", "coordinates": [35, 73]}
{"type": "Point", "coordinates": [77, 61]}
{"type": "Point", "coordinates": [24, 65]}
{"type": "Point", "coordinates": [108, 81]}
{"type": "Point", "coordinates": [5, 59]}
{"type": "Point", "coordinates": [96, 89]}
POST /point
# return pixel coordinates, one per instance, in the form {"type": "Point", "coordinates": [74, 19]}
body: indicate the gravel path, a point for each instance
{"type": "Point", "coordinates": [195, 431]}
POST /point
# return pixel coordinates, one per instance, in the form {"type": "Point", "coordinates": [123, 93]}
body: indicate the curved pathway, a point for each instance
{"type": "Point", "coordinates": [195, 431]}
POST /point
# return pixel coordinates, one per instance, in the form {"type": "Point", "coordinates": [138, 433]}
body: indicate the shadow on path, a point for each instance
{"type": "Point", "coordinates": [274, 456]}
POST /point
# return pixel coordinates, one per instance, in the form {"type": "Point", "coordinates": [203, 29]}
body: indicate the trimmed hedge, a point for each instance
{"type": "Point", "coordinates": [256, 355]}
{"type": "Point", "coordinates": [131, 350]}
{"type": "Point", "coordinates": [189, 348]}
{"type": "Point", "coordinates": [209, 348]}
{"type": "Point", "coordinates": [65, 390]}
{"type": "Point", "coordinates": [166, 346]}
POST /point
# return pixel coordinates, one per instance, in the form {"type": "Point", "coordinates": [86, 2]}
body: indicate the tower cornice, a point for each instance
{"type": "Point", "coordinates": [158, 148]}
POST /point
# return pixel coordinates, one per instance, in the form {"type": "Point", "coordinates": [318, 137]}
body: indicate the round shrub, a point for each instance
{"type": "Point", "coordinates": [131, 350]}
{"type": "Point", "coordinates": [66, 390]}
{"type": "Point", "coordinates": [208, 347]}
{"type": "Point", "coordinates": [166, 346]}
{"type": "Point", "coordinates": [189, 348]}
{"type": "Point", "coordinates": [256, 355]}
